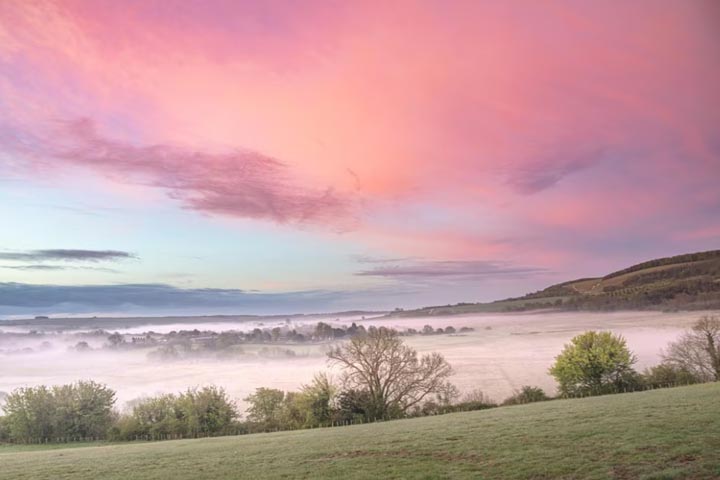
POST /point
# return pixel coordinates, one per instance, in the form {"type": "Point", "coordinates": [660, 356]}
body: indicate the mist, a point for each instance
{"type": "Point", "coordinates": [500, 354]}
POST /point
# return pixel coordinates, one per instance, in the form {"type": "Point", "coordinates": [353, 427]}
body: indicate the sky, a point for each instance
{"type": "Point", "coordinates": [191, 157]}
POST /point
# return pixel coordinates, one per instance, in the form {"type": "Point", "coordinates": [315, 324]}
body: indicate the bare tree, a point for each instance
{"type": "Point", "coordinates": [698, 350]}
{"type": "Point", "coordinates": [395, 379]}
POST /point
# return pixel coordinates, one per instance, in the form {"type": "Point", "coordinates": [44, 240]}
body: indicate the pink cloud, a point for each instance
{"type": "Point", "coordinates": [239, 183]}
{"type": "Point", "coordinates": [526, 121]}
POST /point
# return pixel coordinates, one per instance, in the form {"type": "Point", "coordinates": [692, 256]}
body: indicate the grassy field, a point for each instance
{"type": "Point", "coordinates": [662, 434]}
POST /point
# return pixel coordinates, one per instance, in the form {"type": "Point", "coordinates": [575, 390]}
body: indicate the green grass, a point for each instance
{"type": "Point", "coordinates": [13, 448]}
{"type": "Point", "coordinates": [662, 434]}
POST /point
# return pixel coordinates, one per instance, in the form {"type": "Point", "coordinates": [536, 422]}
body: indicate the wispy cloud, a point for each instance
{"type": "Point", "coordinates": [542, 175]}
{"type": "Point", "coordinates": [375, 260]}
{"type": "Point", "coordinates": [52, 268]}
{"type": "Point", "coordinates": [66, 255]}
{"type": "Point", "coordinates": [451, 268]}
{"type": "Point", "coordinates": [239, 183]}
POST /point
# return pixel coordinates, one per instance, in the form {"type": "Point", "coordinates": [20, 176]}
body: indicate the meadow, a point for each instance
{"type": "Point", "coordinates": [661, 434]}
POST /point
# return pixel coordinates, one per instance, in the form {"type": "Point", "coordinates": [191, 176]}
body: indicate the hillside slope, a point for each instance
{"type": "Point", "coordinates": [670, 433]}
{"type": "Point", "coordinates": [683, 282]}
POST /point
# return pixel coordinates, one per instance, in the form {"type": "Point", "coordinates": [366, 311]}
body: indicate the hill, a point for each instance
{"type": "Point", "coordinates": [660, 434]}
{"type": "Point", "coordinates": [683, 282]}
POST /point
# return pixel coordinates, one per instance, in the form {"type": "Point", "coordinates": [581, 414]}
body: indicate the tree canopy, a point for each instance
{"type": "Point", "coordinates": [82, 409]}
{"type": "Point", "coordinates": [392, 374]}
{"type": "Point", "coordinates": [594, 363]}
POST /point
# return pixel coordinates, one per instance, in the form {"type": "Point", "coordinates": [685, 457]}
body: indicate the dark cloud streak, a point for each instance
{"type": "Point", "coordinates": [67, 255]}
{"type": "Point", "coordinates": [544, 175]}
{"type": "Point", "coordinates": [451, 269]}
{"type": "Point", "coordinates": [52, 268]}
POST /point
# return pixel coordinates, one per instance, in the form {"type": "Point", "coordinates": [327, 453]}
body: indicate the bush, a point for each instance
{"type": "Point", "coordinates": [668, 375]}
{"type": "Point", "coordinates": [266, 408]}
{"type": "Point", "coordinates": [78, 410]}
{"type": "Point", "coordinates": [526, 394]}
{"type": "Point", "coordinates": [195, 412]}
{"type": "Point", "coordinates": [354, 406]}
{"type": "Point", "coordinates": [206, 411]}
{"type": "Point", "coordinates": [474, 400]}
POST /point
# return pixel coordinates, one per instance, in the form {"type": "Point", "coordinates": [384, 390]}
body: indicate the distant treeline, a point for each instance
{"type": "Point", "coordinates": [185, 343]}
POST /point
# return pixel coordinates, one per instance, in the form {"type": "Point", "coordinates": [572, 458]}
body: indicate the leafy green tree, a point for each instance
{"type": "Point", "coordinates": [196, 412]}
{"type": "Point", "coordinates": [124, 428]}
{"type": "Point", "coordinates": [266, 407]}
{"type": "Point", "coordinates": [594, 363]}
{"type": "Point", "coordinates": [91, 408]}
{"type": "Point", "coordinates": [294, 412]}
{"type": "Point", "coordinates": [30, 413]}
{"type": "Point", "coordinates": [82, 409]}
{"type": "Point", "coordinates": [318, 398]}
{"type": "Point", "coordinates": [155, 417]}
{"type": "Point", "coordinates": [668, 375]}
{"type": "Point", "coordinates": [206, 411]}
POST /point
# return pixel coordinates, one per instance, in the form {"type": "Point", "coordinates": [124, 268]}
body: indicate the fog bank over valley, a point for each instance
{"type": "Point", "coordinates": [140, 357]}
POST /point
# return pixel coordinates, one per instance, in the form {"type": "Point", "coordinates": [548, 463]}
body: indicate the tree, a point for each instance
{"type": "Point", "coordinates": [594, 363]}
{"type": "Point", "coordinates": [206, 411]}
{"type": "Point", "coordinates": [29, 413]}
{"type": "Point", "coordinates": [82, 409]}
{"type": "Point", "coordinates": [4, 432]}
{"type": "Point", "coordinates": [668, 375]}
{"type": "Point", "coordinates": [266, 407]}
{"type": "Point", "coordinates": [323, 331]}
{"type": "Point", "coordinates": [395, 379]}
{"type": "Point", "coordinates": [156, 417]}
{"type": "Point", "coordinates": [353, 405]}
{"type": "Point", "coordinates": [276, 332]}
{"type": "Point", "coordinates": [116, 339]}
{"type": "Point", "coordinates": [698, 350]}
{"type": "Point", "coordinates": [317, 399]}
{"type": "Point", "coordinates": [195, 412]}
